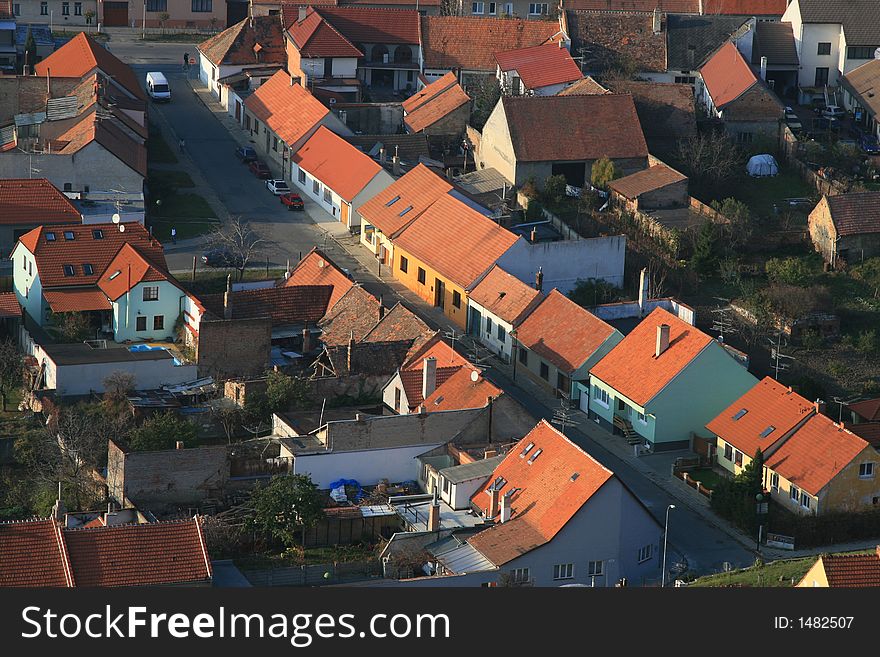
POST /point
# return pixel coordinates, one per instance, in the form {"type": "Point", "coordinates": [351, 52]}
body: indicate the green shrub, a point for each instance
{"type": "Point", "coordinates": [790, 271]}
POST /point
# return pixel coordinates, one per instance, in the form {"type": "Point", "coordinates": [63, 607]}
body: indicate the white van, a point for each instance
{"type": "Point", "coordinates": [157, 87]}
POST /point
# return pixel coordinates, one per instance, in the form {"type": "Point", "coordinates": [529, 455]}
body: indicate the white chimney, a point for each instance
{"type": "Point", "coordinates": [643, 291]}
{"type": "Point", "coordinates": [505, 506]}
{"type": "Point", "coordinates": [429, 376]}
{"type": "Point", "coordinates": [764, 68]}
{"type": "Point", "coordinates": [662, 340]}
{"type": "Point", "coordinates": [656, 22]}
{"type": "Point", "coordinates": [395, 165]}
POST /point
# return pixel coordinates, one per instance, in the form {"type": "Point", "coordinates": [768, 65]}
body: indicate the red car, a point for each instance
{"type": "Point", "coordinates": [292, 201]}
{"type": "Point", "coordinates": [260, 170]}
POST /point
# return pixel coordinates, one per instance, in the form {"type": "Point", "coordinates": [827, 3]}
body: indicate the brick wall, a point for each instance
{"type": "Point", "coordinates": [233, 348]}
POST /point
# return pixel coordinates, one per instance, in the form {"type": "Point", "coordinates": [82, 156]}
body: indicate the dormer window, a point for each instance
{"type": "Point", "coordinates": [68, 235]}
{"type": "Point", "coordinates": [50, 237]}
{"type": "Point", "coordinates": [69, 270]}
{"type": "Point", "coordinates": [98, 234]}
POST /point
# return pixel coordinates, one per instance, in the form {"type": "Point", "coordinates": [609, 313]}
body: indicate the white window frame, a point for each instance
{"type": "Point", "coordinates": [794, 493]}
{"type": "Point", "coordinates": [805, 499]}
{"type": "Point", "coordinates": [563, 571]}
{"type": "Point", "coordinates": [774, 482]}
{"type": "Point", "coordinates": [542, 8]}
{"type": "Point", "coordinates": [601, 397]}
{"type": "Point", "coordinates": [520, 575]}
{"type": "Point", "coordinates": [728, 452]}
{"type": "Point", "coordinates": [478, 8]}
{"type": "Point", "coordinates": [646, 553]}
{"type": "Point", "coordinates": [493, 8]}
{"type": "Point", "coordinates": [866, 470]}
{"type": "Point", "coordinates": [508, 8]}
{"type": "Point", "coordinates": [642, 417]}
{"type": "Point", "coordinates": [595, 568]}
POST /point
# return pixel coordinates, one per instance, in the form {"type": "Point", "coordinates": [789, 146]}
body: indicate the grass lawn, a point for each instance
{"type": "Point", "coordinates": [773, 574]}
{"type": "Point", "coordinates": [761, 193]}
{"type": "Point", "coordinates": [213, 281]}
{"type": "Point", "coordinates": [706, 476]}
{"type": "Point", "coordinates": [179, 37]}
{"type": "Point", "coordinates": [183, 207]}
{"type": "Point", "coordinates": [158, 149]}
{"type": "Point", "coordinates": [186, 228]}
{"type": "Point", "coordinates": [161, 181]}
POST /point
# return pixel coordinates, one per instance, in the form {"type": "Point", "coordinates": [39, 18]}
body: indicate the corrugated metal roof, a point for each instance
{"type": "Point", "coordinates": [62, 108]}
{"type": "Point", "coordinates": [30, 119]}
{"type": "Point", "coordinates": [483, 468]}
{"type": "Point", "coordinates": [459, 557]}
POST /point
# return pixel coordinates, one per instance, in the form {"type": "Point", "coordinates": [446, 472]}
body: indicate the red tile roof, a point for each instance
{"type": "Point", "coordinates": [574, 128]}
{"type": "Point", "coordinates": [469, 43]}
{"type": "Point", "coordinates": [505, 296]}
{"type": "Point", "coordinates": [76, 300]}
{"type": "Point", "coordinates": [236, 44]}
{"type": "Point", "coordinates": [336, 163]}
{"type": "Point", "coordinates": [646, 6]}
{"type": "Point", "coordinates": [745, 7]}
{"type": "Point", "coordinates": [315, 37]}
{"type": "Point", "coordinates": [540, 66]}
{"type": "Point", "coordinates": [460, 391]}
{"type": "Point", "coordinates": [139, 555]}
{"type": "Point", "coordinates": [352, 316]}
{"type": "Point", "coordinates": [129, 268]}
{"type": "Point", "coordinates": [646, 180]}
{"type": "Point", "coordinates": [547, 497]}
{"type": "Point", "coordinates": [855, 213]}
{"type": "Point", "coordinates": [815, 454]}
{"type": "Point", "coordinates": [851, 571]}
{"type": "Point", "coordinates": [82, 55]}
{"type": "Point", "coordinates": [562, 332]}
{"type": "Point", "coordinates": [32, 554]}
{"type": "Point", "coordinates": [89, 128]}
{"type": "Point", "coordinates": [401, 325]}
{"type": "Point", "coordinates": [727, 75]}
{"type": "Point", "coordinates": [870, 431]}
{"type": "Point", "coordinates": [586, 87]}
{"type": "Point", "coordinates": [439, 99]}
{"type": "Point", "coordinates": [767, 404]}
{"type": "Point", "coordinates": [457, 241]}
{"type": "Point", "coordinates": [632, 369]}
{"type": "Point", "coordinates": [317, 269]}
{"type": "Point", "coordinates": [9, 306]}
{"type": "Point", "coordinates": [288, 109]}
{"type": "Point", "coordinates": [412, 383]}
{"type": "Point", "coordinates": [437, 348]}
{"type": "Point", "coordinates": [418, 189]}
{"type": "Point", "coordinates": [34, 201]}
{"type": "Point", "coordinates": [85, 248]}
{"type": "Point", "coordinates": [369, 25]}
{"type": "Point", "coordinates": [298, 304]}
{"type": "Point", "coordinates": [868, 409]}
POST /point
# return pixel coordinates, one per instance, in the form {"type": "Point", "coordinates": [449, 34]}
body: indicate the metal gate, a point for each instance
{"type": "Point", "coordinates": [115, 14]}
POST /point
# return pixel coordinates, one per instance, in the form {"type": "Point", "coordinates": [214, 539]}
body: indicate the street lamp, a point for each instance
{"type": "Point", "coordinates": [762, 509]}
{"type": "Point", "coordinates": [665, 537]}
{"type": "Point", "coordinates": [514, 352]}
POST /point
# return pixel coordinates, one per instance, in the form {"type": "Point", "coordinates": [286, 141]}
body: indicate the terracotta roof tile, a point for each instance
{"type": "Point", "coordinates": [128, 149]}
{"type": "Point", "coordinates": [540, 66]}
{"type": "Point", "coordinates": [855, 213]}
{"type": "Point", "coordinates": [129, 268]}
{"type": "Point", "coordinates": [851, 570]}
{"type": "Point", "coordinates": [81, 55]}
{"type": "Point", "coordinates": [562, 332]}
{"type": "Point", "coordinates": [870, 431]}
{"type": "Point", "coordinates": [631, 367]}
{"type": "Point", "coordinates": [374, 25]}
{"type": "Point", "coordinates": [574, 128]}
{"type": "Point", "coordinates": [645, 6]}
{"type": "Point", "coordinates": [235, 45]}
{"type": "Point", "coordinates": [727, 75]}
{"type": "Point", "coordinates": [647, 180]}
{"type": "Point", "coordinates": [437, 348]}
{"type": "Point", "coordinates": [32, 554]}
{"type": "Point", "coordinates": [412, 383]}
{"type": "Point", "coordinates": [461, 42]}
{"type": "Point", "coordinates": [9, 306]}
{"type": "Point", "coordinates": [418, 188]}
{"type": "Point", "coordinates": [767, 404]}
{"type": "Point", "coordinates": [865, 81]}
{"type": "Point", "coordinates": [815, 454]}
{"type": "Point", "coordinates": [288, 109]}
{"type": "Point", "coordinates": [85, 248]}
{"type": "Point", "coordinates": [547, 498]}
{"type": "Point", "coordinates": [745, 7]}
{"type": "Point", "coordinates": [76, 300]}
{"type": "Point", "coordinates": [460, 391]}
{"type": "Point", "coordinates": [139, 555]}
{"type": "Point", "coordinates": [585, 87]}
{"type": "Point", "coordinates": [869, 409]}
{"type": "Point", "coordinates": [400, 325]}
{"type": "Point", "coordinates": [612, 41]}
{"type": "Point", "coordinates": [352, 316]}
{"type": "Point", "coordinates": [297, 304]}
{"type": "Point", "coordinates": [34, 201]}
{"type": "Point", "coordinates": [505, 296]}
{"type": "Point", "coordinates": [315, 37]}
{"type": "Point", "coordinates": [317, 269]}
{"type": "Point", "coordinates": [336, 163]}
{"type": "Point", "coordinates": [665, 109]}
{"type": "Point", "coordinates": [775, 41]}
{"type": "Point", "coordinates": [440, 98]}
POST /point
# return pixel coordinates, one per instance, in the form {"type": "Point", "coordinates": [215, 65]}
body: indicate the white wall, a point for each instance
{"type": "Point", "coordinates": [491, 339]}
{"type": "Point", "coordinates": [461, 493]}
{"type": "Point", "coordinates": [812, 35]}
{"type": "Point", "coordinates": [27, 278]}
{"type": "Point", "coordinates": [367, 467]}
{"type": "Point", "coordinates": [380, 181]}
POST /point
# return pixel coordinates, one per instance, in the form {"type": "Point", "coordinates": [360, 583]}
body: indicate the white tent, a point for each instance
{"type": "Point", "coordinates": [762, 165]}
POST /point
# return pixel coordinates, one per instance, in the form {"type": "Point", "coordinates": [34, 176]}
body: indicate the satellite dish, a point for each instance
{"type": "Point", "coordinates": [475, 376]}
{"type": "Point", "coordinates": [121, 228]}
{"type": "Point", "coordinates": [116, 218]}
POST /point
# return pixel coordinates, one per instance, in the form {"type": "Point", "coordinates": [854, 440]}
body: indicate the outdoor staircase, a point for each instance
{"type": "Point", "coordinates": [626, 428]}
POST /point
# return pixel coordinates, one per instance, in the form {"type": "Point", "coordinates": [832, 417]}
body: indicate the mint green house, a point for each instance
{"type": "Point", "coordinates": [664, 381]}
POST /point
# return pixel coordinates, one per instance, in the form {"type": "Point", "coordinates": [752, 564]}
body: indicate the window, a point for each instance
{"type": "Point", "coordinates": [392, 201]}
{"type": "Point", "coordinates": [404, 264]}
{"type": "Point", "coordinates": [316, 187]}
{"type": "Point", "coordinates": [301, 176]}
{"type": "Point", "coordinates": [805, 500]}
{"type": "Point", "coordinates": [88, 270]}
{"type": "Point", "coordinates": [738, 457]}
{"type": "Point", "coordinates": [766, 432]}
{"type": "Point", "coordinates": [476, 7]}
{"type": "Point", "coordinates": [114, 275]}
{"type": "Point", "coordinates": [860, 52]}
{"type": "Point", "coordinates": [141, 323]}
{"type": "Point", "coordinates": [421, 276]}
{"type": "Point", "coordinates": [866, 471]}
{"type": "Point", "coordinates": [601, 396]}
{"type": "Point", "coordinates": [50, 237]}
{"type": "Point", "coordinates": [508, 8]}
{"type": "Point", "coordinates": [256, 122]}
{"type": "Point", "coordinates": [545, 371]}
{"type": "Point", "coordinates": [24, 261]}
{"type": "Point", "coordinates": [501, 334]}
{"type": "Point", "coordinates": [397, 399]}
{"type": "Point", "coordinates": [744, 137]}
{"type": "Point", "coordinates": [30, 267]}
{"type": "Point", "coordinates": [44, 9]}
{"type": "Point", "coordinates": [523, 356]}
{"type": "Point", "coordinates": [824, 48]}
{"type": "Point", "coordinates": [646, 553]}
{"type": "Point", "coordinates": [794, 493]}
{"type": "Point", "coordinates": [151, 293]}
{"type": "Point", "coordinates": [202, 6]}
{"type": "Point", "coordinates": [519, 575]}
{"type": "Point", "coordinates": [563, 571]}
{"type": "Point", "coordinates": [98, 234]}
{"type": "Point", "coordinates": [537, 8]}
{"type": "Point", "coordinates": [534, 456]}
{"type": "Point", "coordinates": [68, 235]}
{"type": "Point", "coordinates": [492, 10]}
{"type": "Point", "coordinates": [740, 413]}
{"type": "Point", "coordinates": [275, 144]}
{"type": "Point", "coordinates": [685, 79]}
{"type": "Point", "coordinates": [774, 482]}
{"type": "Point", "coordinates": [728, 452]}
{"type": "Point", "coordinates": [821, 76]}
{"type": "Point", "coordinates": [65, 9]}
{"type": "Point", "coordinates": [247, 122]}
{"type": "Point", "coordinates": [159, 323]}
{"type": "Point", "coordinates": [69, 270]}
{"type": "Point", "coordinates": [595, 568]}
{"type": "Point", "coordinates": [456, 298]}
{"type": "Point", "coordinates": [642, 418]}
{"type": "Point", "coordinates": [77, 9]}
{"type": "Point", "coordinates": [68, 187]}
{"type": "Point", "coordinates": [488, 326]}
{"type": "Point", "coordinates": [328, 196]}
{"type": "Point", "coordinates": [16, 9]}
{"type": "Point", "coordinates": [447, 485]}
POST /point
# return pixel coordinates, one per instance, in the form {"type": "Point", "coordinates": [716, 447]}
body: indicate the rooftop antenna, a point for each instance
{"type": "Point", "coordinates": [722, 323]}
{"type": "Point", "coordinates": [842, 403]}
{"type": "Point", "coordinates": [563, 415]}
{"type": "Point", "coordinates": [777, 356]}
{"type": "Point", "coordinates": [454, 337]}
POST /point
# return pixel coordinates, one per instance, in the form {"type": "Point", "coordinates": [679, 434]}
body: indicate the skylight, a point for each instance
{"type": "Point", "coordinates": [392, 201]}
{"type": "Point", "coordinates": [766, 432]}
{"type": "Point", "coordinates": [526, 450]}
{"type": "Point", "coordinates": [407, 209]}
{"type": "Point", "coordinates": [88, 270]}
{"type": "Point", "coordinates": [50, 237]}
{"type": "Point", "coordinates": [114, 275]}
{"type": "Point", "coordinates": [69, 270]}
{"type": "Point", "coordinates": [98, 234]}
{"type": "Point", "coordinates": [68, 235]}
{"type": "Point", "coordinates": [534, 456]}
{"type": "Point", "coordinates": [575, 476]}
{"type": "Point", "coordinates": [740, 413]}
{"type": "Point", "coordinates": [499, 483]}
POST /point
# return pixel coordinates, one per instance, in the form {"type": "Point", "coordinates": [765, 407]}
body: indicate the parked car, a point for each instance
{"type": "Point", "coordinates": [833, 112]}
{"type": "Point", "coordinates": [223, 258]}
{"type": "Point", "coordinates": [277, 187]}
{"type": "Point", "coordinates": [795, 125]}
{"type": "Point", "coordinates": [869, 144]}
{"type": "Point", "coordinates": [292, 201]}
{"type": "Point", "coordinates": [260, 170]}
{"type": "Point", "coordinates": [246, 154]}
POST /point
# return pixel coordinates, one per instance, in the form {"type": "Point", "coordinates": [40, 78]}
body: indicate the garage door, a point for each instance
{"type": "Point", "coordinates": [116, 14]}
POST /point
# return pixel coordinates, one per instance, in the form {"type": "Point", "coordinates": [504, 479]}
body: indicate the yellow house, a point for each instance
{"type": "Point", "coordinates": [812, 465]}
{"type": "Point", "coordinates": [844, 571]}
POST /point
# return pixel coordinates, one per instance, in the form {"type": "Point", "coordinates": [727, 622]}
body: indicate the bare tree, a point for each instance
{"type": "Point", "coordinates": [118, 384]}
{"type": "Point", "coordinates": [11, 369]}
{"type": "Point", "coordinates": [240, 241]}
{"type": "Point", "coordinates": [711, 159]}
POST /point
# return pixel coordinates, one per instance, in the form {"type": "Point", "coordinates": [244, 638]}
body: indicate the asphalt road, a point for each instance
{"type": "Point", "coordinates": [209, 150]}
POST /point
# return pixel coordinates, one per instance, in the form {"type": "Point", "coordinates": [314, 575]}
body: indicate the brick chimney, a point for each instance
{"type": "Point", "coordinates": [539, 280]}
{"type": "Point", "coordinates": [493, 501]}
{"type": "Point", "coordinates": [662, 340]}
{"type": "Point", "coordinates": [429, 376]}
{"type": "Point", "coordinates": [434, 514]}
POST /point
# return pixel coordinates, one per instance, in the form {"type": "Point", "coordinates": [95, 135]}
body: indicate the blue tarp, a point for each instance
{"type": "Point", "coordinates": [340, 483]}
